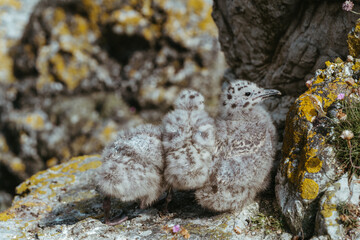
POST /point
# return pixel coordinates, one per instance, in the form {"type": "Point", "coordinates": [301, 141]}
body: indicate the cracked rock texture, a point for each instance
{"type": "Point", "coordinates": [280, 44]}
{"type": "Point", "coordinates": [62, 203]}
{"type": "Point", "coordinates": [80, 70]}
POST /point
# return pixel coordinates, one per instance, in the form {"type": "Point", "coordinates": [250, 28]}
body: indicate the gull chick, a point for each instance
{"type": "Point", "coordinates": [188, 141]}
{"type": "Point", "coordinates": [132, 168]}
{"type": "Point", "coordinates": [245, 148]}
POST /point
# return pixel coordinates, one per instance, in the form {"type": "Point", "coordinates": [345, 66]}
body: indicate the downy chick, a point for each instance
{"type": "Point", "coordinates": [188, 141]}
{"type": "Point", "coordinates": [245, 148]}
{"type": "Point", "coordinates": [132, 168]}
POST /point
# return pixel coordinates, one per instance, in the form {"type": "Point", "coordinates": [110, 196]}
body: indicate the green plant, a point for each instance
{"type": "Point", "coordinates": [347, 137]}
{"type": "Point", "coordinates": [268, 223]}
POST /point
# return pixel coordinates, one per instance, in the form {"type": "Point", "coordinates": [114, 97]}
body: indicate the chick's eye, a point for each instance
{"type": "Point", "coordinates": [247, 94]}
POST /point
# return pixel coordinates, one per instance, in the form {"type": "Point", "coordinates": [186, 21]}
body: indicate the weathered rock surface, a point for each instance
{"type": "Point", "coordinates": [62, 203]}
{"type": "Point", "coordinates": [280, 44]}
{"type": "Point", "coordinates": [82, 70]}
{"type": "Point", "coordinates": [309, 165]}
{"type": "Point", "coordinates": [328, 218]}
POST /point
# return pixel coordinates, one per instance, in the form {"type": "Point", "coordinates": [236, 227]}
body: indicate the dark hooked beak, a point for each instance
{"type": "Point", "coordinates": [269, 93]}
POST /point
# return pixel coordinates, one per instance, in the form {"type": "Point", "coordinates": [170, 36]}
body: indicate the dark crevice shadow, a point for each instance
{"type": "Point", "coordinates": [183, 206]}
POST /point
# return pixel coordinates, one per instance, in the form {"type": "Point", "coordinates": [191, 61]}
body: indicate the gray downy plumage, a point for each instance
{"type": "Point", "coordinates": [245, 148]}
{"type": "Point", "coordinates": [188, 141]}
{"type": "Point", "coordinates": [132, 167]}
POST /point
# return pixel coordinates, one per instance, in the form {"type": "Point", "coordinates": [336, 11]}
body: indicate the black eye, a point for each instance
{"type": "Point", "coordinates": [247, 94]}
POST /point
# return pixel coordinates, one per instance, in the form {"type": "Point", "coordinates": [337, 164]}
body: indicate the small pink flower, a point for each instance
{"type": "Point", "coordinates": [340, 96]}
{"type": "Point", "coordinates": [176, 228]}
{"type": "Point", "coordinates": [348, 5]}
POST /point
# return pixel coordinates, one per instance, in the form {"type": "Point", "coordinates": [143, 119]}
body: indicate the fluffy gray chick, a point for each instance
{"type": "Point", "coordinates": [132, 168]}
{"type": "Point", "coordinates": [245, 148]}
{"type": "Point", "coordinates": [188, 141]}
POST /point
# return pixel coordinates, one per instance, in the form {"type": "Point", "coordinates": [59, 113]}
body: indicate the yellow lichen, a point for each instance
{"type": "Point", "coordinates": [70, 72]}
{"type": "Point", "coordinates": [313, 165]}
{"type": "Point", "coordinates": [51, 162]}
{"type": "Point", "coordinates": [59, 15]}
{"type": "Point", "coordinates": [17, 166]}
{"type": "Point", "coordinates": [3, 144]}
{"type": "Point", "coordinates": [354, 41]}
{"type": "Point", "coordinates": [328, 209]}
{"type": "Point", "coordinates": [6, 215]}
{"type": "Point", "coordinates": [306, 108]}
{"type": "Point", "coordinates": [35, 121]}
{"type": "Point", "coordinates": [109, 132]}
{"type": "Point", "coordinates": [12, 3]}
{"type": "Point", "coordinates": [309, 189]}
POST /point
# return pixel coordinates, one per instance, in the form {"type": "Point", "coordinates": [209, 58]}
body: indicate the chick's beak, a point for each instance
{"type": "Point", "coordinates": [269, 93]}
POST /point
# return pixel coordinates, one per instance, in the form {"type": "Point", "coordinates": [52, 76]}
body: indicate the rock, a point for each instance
{"type": "Point", "coordinates": [5, 200]}
{"type": "Point", "coordinates": [82, 70]}
{"type": "Point", "coordinates": [62, 202]}
{"type": "Point", "coordinates": [13, 18]}
{"type": "Point", "coordinates": [309, 164]}
{"type": "Point", "coordinates": [280, 44]}
{"type": "Point", "coordinates": [328, 218]}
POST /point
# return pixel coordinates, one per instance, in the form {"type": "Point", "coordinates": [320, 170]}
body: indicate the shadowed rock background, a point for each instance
{"type": "Point", "coordinates": [73, 73]}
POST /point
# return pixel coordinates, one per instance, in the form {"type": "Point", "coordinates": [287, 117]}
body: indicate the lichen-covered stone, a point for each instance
{"type": "Point", "coordinates": [62, 203]}
{"type": "Point", "coordinates": [354, 40]}
{"type": "Point", "coordinates": [14, 14]}
{"type": "Point", "coordinates": [82, 70]}
{"type": "Point", "coordinates": [309, 164]}
{"type": "Point", "coordinates": [148, 49]}
{"type": "Point", "coordinates": [328, 218]}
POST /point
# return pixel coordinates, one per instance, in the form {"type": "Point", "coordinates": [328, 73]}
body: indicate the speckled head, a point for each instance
{"type": "Point", "coordinates": [189, 99]}
{"type": "Point", "coordinates": [241, 96]}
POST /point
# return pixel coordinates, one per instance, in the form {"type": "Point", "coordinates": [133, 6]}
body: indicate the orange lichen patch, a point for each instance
{"type": "Point", "coordinates": [35, 121]}
{"type": "Point", "coordinates": [309, 189]}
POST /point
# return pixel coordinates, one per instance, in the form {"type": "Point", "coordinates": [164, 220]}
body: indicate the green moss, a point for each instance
{"type": "Point", "coordinates": [267, 223]}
